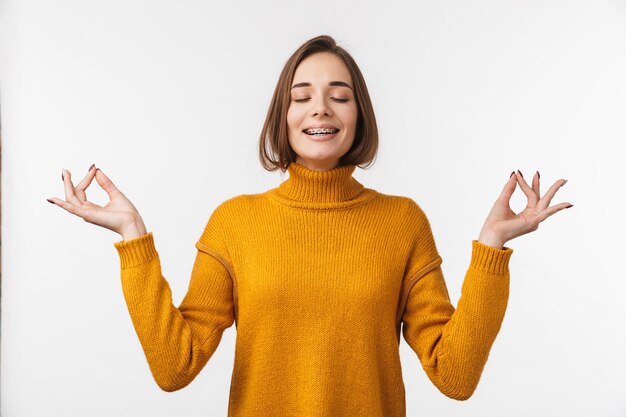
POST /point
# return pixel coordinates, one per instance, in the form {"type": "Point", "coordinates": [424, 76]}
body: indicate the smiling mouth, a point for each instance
{"type": "Point", "coordinates": [321, 133]}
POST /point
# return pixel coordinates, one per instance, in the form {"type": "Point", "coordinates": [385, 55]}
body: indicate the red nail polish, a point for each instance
{"type": "Point", "coordinates": [50, 201]}
{"type": "Point", "coordinates": [512, 173]}
{"type": "Point", "coordinates": [91, 167]}
{"type": "Point", "coordinates": [538, 175]}
{"type": "Point", "coordinates": [62, 178]}
{"type": "Point", "coordinates": [520, 172]}
{"type": "Point", "coordinates": [571, 205]}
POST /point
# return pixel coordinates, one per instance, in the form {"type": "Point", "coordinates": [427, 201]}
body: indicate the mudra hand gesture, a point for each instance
{"type": "Point", "coordinates": [119, 215]}
{"type": "Point", "coordinates": [502, 224]}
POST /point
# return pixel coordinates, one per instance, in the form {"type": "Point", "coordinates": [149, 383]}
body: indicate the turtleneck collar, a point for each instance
{"type": "Point", "coordinates": [334, 188]}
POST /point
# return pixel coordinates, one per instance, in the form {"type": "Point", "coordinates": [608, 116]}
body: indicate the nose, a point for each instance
{"type": "Point", "coordinates": [321, 108]}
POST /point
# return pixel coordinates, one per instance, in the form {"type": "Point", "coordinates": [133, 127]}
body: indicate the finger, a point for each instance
{"type": "Point", "coordinates": [84, 184]}
{"type": "Point", "coordinates": [77, 210]}
{"type": "Point", "coordinates": [86, 205]}
{"type": "Point", "coordinates": [106, 183]}
{"type": "Point", "coordinates": [536, 183]}
{"type": "Point", "coordinates": [509, 189]}
{"type": "Point", "coordinates": [532, 197]}
{"type": "Point", "coordinates": [549, 195]}
{"type": "Point", "coordinates": [551, 210]}
{"type": "Point", "coordinates": [70, 196]}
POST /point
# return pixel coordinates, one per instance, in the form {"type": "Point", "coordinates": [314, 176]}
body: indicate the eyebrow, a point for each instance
{"type": "Point", "coordinates": [332, 83]}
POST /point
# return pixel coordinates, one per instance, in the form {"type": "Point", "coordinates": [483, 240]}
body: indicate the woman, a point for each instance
{"type": "Point", "coordinates": [319, 273]}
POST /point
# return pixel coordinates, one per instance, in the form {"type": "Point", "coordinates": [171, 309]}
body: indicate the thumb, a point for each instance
{"type": "Point", "coordinates": [508, 189]}
{"type": "Point", "coordinates": [106, 183]}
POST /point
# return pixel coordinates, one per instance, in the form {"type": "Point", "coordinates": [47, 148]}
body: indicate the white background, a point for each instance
{"type": "Point", "coordinates": [168, 98]}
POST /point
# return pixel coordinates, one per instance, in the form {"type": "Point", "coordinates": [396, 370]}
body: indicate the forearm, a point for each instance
{"type": "Point", "coordinates": [467, 338]}
{"type": "Point", "coordinates": [176, 346]}
{"type": "Point", "coordinates": [453, 344]}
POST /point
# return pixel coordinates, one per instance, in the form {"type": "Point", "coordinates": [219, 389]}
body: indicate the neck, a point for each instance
{"type": "Point", "coordinates": [315, 165]}
{"type": "Point", "coordinates": [307, 188]}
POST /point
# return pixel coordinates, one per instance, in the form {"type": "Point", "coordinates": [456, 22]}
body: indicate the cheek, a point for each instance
{"type": "Point", "coordinates": [350, 117]}
{"type": "Point", "coordinates": [289, 117]}
{"type": "Point", "coordinates": [294, 118]}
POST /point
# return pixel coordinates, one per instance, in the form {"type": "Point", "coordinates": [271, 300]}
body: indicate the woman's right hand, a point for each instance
{"type": "Point", "coordinates": [119, 215]}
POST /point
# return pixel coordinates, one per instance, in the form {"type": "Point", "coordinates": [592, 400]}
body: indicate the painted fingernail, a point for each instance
{"type": "Point", "coordinates": [50, 201]}
{"type": "Point", "coordinates": [512, 173]}
{"type": "Point", "coordinates": [62, 177]}
{"type": "Point", "coordinates": [538, 175]}
{"type": "Point", "coordinates": [571, 205]}
{"type": "Point", "coordinates": [91, 167]}
{"type": "Point", "coordinates": [564, 182]}
{"type": "Point", "coordinates": [520, 172]}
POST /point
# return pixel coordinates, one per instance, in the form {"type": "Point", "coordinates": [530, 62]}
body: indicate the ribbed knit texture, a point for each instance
{"type": "Point", "coordinates": [320, 276]}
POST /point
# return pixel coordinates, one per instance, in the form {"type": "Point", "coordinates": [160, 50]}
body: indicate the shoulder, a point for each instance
{"type": "Point", "coordinates": [233, 206]}
{"type": "Point", "coordinates": [413, 217]}
{"type": "Point", "coordinates": [223, 221]}
{"type": "Point", "coordinates": [404, 205]}
{"type": "Point", "coordinates": [229, 213]}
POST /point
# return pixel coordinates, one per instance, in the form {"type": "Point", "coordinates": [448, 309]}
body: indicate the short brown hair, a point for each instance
{"type": "Point", "coordinates": [274, 149]}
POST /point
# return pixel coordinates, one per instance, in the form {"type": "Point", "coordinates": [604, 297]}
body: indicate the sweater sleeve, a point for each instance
{"type": "Point", "coordinates": [177, 341]}
{"type": "Point", "coordinates": [453, 344]}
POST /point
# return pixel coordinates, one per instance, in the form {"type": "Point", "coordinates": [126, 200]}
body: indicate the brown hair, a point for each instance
{"type": "Point", "coordinates": [274, 149]}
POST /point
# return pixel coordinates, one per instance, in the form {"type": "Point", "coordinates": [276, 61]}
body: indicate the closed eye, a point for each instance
{"type": "Point", "coordinates": [340, 100]}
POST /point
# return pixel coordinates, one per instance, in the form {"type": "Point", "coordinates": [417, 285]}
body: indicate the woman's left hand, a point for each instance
{"type": "Point", "coordinates": [502, 224]}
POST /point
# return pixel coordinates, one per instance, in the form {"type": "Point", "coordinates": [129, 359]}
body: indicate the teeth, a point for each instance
{"type": "Point", "coordinates": [322, 130]}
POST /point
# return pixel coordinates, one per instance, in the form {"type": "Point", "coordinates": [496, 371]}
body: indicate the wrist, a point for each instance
{"type": "Point", "coordinates": [134, 230]}
{"type": "Point", "coordinates": [491, 239]}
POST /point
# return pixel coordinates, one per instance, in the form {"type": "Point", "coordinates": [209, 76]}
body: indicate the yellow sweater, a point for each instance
{"type": "Point", "coordinates": [318, 274]}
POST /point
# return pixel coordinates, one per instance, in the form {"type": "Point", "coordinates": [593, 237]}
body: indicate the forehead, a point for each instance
{"type": "Point", "coordinates": [322, 66]}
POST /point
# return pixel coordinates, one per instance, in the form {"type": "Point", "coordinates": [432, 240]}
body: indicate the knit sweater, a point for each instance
{"type": "Point", "coordinates": [320, 276]}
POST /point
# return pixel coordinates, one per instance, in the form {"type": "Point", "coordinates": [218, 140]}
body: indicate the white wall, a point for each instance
{"type": "Point", "coordinates": [168, 98]}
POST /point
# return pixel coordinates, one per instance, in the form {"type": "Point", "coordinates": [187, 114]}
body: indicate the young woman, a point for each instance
{"type": "Point", "coordinates": [319, 273]}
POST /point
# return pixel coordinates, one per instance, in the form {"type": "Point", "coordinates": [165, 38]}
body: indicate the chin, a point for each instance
{"type": "Point", "coordinates": [319, 152]}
